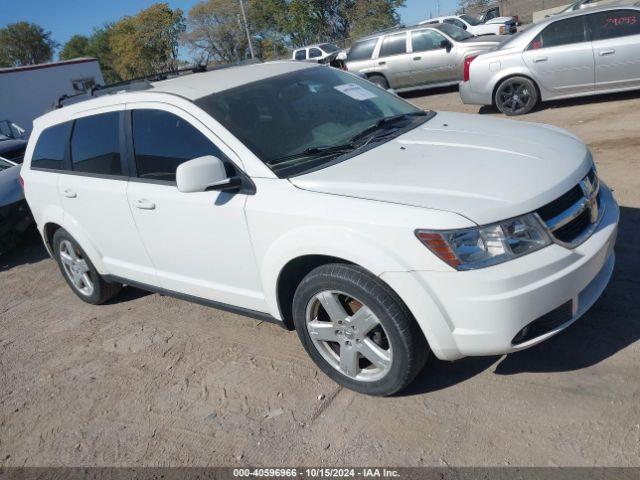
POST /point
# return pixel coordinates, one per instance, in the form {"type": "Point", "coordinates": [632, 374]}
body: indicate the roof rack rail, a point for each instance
{"type": "Point", "coordinates": [134, 84]}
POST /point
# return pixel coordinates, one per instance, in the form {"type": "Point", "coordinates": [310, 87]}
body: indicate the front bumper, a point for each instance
{"type": "Point", "coordinates": [479, 312]}
{"type": "Point", "coordinates": [470, 97]}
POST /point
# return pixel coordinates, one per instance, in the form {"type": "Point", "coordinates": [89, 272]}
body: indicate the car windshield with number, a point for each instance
{"type": "Point", "coordinates": [304, 120]}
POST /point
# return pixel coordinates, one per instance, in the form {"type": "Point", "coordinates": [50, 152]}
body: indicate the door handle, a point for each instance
{"type": "Point", "coordinates": [144, 204]}
{"type": "Point", "coordinates": [540, 59]}
{"type": "Point", "coordinates": [602, 53]}
{"type": "Point", "coordinates": [69, 193]}
{"type": "Point", "coordinates": [382, 63]}
{"type": "Point", "coordinates": [417, 58]}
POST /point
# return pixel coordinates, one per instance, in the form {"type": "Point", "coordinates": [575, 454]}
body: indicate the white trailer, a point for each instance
{"type": "Point", "coordinates": [28, 92]}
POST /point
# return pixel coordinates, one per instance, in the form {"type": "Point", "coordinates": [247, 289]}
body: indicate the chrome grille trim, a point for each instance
{"type": "Point", "coordinates": [590, 202]}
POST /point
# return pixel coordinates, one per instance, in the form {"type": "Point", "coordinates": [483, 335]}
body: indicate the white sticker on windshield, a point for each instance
{"type": "Point", "coordinates": [355, 91]}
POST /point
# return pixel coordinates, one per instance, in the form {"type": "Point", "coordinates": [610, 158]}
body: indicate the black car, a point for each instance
{"type": "Point", "coordinates": [15, 216]}
{"type": "Point", "coordinates": [13, 141]}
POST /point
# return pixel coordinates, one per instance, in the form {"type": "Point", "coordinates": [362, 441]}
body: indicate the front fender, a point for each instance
{"type": "Point", "coordinates": [343, 243]}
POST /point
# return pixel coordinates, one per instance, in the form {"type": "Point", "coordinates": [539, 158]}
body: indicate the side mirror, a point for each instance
{"type": "Point", "coordinates": [446, 44]}
{"type": "Point", "coordinates": [204, 173]}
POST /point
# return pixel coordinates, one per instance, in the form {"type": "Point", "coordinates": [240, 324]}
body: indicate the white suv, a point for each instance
{"type": "Point", "coordinates": [307, 196]}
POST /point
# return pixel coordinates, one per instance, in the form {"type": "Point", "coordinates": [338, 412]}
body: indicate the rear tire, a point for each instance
{"type": "Point", "coordinates": [516, 96]}
{"type": "Point", "coordinates": [79, 272]}
{"type": "Point", "coordinates": [357, 330]}
{"type": "Point", "coordinates": [380, 81]}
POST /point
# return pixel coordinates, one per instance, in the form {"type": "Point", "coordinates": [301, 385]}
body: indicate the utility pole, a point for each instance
{"type": "Point", "coordinates": [246, 28]}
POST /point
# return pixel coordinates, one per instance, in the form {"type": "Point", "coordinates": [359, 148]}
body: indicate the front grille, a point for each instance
{"type": "Point", "coordinates": [545, 323]}
{"type": "Point", "coordinates": [573, 217]}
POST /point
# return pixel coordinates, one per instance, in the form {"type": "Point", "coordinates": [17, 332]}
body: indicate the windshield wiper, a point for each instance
{"type": "Point", "coordinates": [318, 151]}
{"type": "Point", "coordinates": [384, 124]}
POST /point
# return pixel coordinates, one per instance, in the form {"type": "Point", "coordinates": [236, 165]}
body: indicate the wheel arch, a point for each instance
{"type": "Point", "coordinates": [290, 277]}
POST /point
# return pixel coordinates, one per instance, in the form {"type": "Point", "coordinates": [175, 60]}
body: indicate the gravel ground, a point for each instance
{"type": "Point", "coordinates": [150, 380]}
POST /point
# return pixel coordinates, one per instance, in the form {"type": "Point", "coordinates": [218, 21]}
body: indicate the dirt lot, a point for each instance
{"type": "Point", "coordinates": [150, 380]}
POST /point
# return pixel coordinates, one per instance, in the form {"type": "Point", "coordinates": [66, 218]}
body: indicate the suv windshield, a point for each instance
{"type": "Point", "coordinates": [458, 34]}
{"type": "Point", "coordinates": [303, 120]}
{"type": "Point", "coordinates": [470, 20]}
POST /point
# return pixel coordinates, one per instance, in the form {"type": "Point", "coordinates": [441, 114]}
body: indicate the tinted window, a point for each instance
{"type": "Point", "coordinates": [470, 20]}
{"type": "Point", "coordinates": [614, 23]}
{"type": "Point", "coordinates": [314, 53]}
{"type": "Point", "coordinates": [51, 147]}
{"type": "Point", "coordinates": [95, 144]}
{"type": "Point", "coordinates": [162, 141]}
{"type": "Point", "coordinates": [562, 32]}
{"type": "Point", "coordinates": [329, 47]}
{"type": "Point", "coordinates": [426, 40]}
{"type": "Point", "coordinates": [4, 164]}
{"type": "Point", "coordinates": [456, 22]}
{"type": "Point", "coordinates": [454, 32]}
{"type": "Point", "coordinates": [362, 50]}
{"type": "Point", "coordinates": [301, 55]}
{"type": "Point", "coordinates": [394, 45]}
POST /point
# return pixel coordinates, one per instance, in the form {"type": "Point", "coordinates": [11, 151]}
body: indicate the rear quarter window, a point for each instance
{"type": "Point", "coordinates": [362, 50]}
{"type": "Point", "coordinates": [51, 147]}
{"type": "Point", "coordinates": [614, 23]}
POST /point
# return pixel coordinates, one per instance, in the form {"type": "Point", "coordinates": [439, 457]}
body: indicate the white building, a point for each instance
{"type": "Point", "coordinates": [28, 92]}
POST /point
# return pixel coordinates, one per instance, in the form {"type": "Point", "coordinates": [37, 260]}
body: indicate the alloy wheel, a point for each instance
{"type": "Point", "coordinates": [76, 268]}
{"type": "Point", "coordinates": [515, 97]}
{"type": "Point", "coordinates": [349, 336]}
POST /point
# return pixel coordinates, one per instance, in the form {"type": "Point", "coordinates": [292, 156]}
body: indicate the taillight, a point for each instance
{"type": "Point", "coordinates": [467, 65]}
{"type": "Point", "coordinates": [21, 181]}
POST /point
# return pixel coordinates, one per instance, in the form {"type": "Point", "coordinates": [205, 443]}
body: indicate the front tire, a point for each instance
{"type": "Point", "coordinates": [357, 330]}
{"type": "Point", "coordinates": [380, 81]}
{"type": "Point", "coordinates": [79, 272]}
{"type": "Point", "coordinates": [516, 96]}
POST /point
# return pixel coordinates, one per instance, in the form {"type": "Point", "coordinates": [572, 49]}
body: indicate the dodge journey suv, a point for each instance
{"type": "Point", "coordinates": [310, 197]}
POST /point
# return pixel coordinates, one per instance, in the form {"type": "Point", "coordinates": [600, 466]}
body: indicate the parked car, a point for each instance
{"type": "Point", "coordinates": [15, 217]}
{"type": "Point", "coordinates": [318, 53]}
{"type": "Point", "coordinates": [475, 26]}
{"type": "Point", "coordinates": [586, 52]}
{"type": "Point", "coordinates": [12, 148]}
{"type": "Point", "coordinates": [417, 57]}
{"type": "Point", "coordinates": [310, 197]}
{"type": "Point", "coordinates": [12, 130]}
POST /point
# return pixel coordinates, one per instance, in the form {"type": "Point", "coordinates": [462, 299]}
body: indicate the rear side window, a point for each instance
{"type": "Point", "coordinates": [51, 148]}
{"type": "Point", "coordinates": [362, 50]}
{"type": "Point", "coordinates": [95, 144]}
{"type": "Point", "coordinates": [425, 40]}
{"type": "Point", "coordinates": [394, 45]}
{"type": "Point", "coordinates": [614, 23]}
{"type": "Point", "coordinates": [162, 141]}
{"type": "Point", "coordinates": [562, 32]}
{"type": "Point", "coordinates": [315, 53]}
{"type": "Point", "coordinates": [301, 55]}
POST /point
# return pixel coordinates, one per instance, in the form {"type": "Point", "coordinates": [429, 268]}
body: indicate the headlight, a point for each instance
{"type": "Point", "coordinates": [479, 247]}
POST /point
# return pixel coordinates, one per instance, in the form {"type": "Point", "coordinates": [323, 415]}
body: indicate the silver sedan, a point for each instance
{"type": "Point", "coordinates": [570, 55]}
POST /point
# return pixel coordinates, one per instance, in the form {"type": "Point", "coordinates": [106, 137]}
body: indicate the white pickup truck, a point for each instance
{"type": "Point", "coordinates": [495, 26]}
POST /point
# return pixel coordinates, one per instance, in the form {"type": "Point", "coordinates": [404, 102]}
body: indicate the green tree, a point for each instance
{"type": "Point", "coordinates": [100, 48]}
{"type": "Point", "coordinates": [368, 16]}
{"type": "Point", "coordinates": [24, 43]}
{"type": "Point", "coordinates": [148, 42]}
{"type": "Point", "coordinates": [76, 46]}
{"type": "Point", "coordinates": [215, 32]}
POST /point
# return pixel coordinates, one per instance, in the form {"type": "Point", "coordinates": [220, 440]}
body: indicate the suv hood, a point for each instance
{"type": "Point", "coordinates": [488, 40]}
{"type": "Point", "coordinates": [485, 169]}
